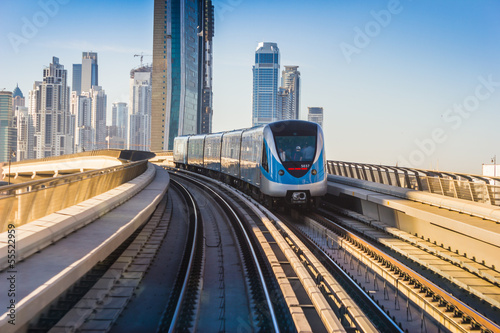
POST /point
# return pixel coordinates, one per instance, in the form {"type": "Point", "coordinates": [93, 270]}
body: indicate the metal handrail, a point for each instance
{"type": "Point", "coordinates": [26, 202]}
{"type": "Point", "coordinates": [456, 185]}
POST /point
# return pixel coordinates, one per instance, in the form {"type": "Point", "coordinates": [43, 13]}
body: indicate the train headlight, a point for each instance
{"type": "Point", "coordinates": [314, 172]}
{"type": "Point", "coordinates": [281, 172]}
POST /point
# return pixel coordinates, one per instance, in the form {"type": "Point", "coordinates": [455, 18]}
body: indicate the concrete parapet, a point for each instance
{"type": "Point", "coordinates": [36, 235]}
{"type": "Point", "coordinates": [43, 277]}
{"type": "Point", "coordinates": [466, 228]}
{"type": "Point", "coordinates": [459, 205]}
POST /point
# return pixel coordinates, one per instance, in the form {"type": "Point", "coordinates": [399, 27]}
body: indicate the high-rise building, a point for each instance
{"type": "Point", "coordinates": [205, 96]}
{"type": "Point", "coordinates": [117, 132]}
{"type": "Point", "coordinates": [85, 75]}
{"type": "Point", "coordinates": [89, 71]}
{"type": "Point", "coordinates": [17, 98]}
{"type": "Point", "coordinates": [119, 118]}
{"type": "Point", "coordinates": [316, 115]}
{"type": "Point", "coordinates": [290, 81]}
{"type": "Point", "coordinates": [7, 131]}
{"type": "Point", "coordinates": [25, 133]}
{"type": "Point", "coordinates": [139, 124]}
{"type": "Point", "coordinates": [98, 116]}
{"type": "Point", "coordinates": [49, 107]}
{"type": "Point", "coordinates": [81, 109]}
{"type": "Point", "coordinates": [177, 83]}
{"type": "Point", "coordinates": [265, 84]}
{"type": "Point", "coordinates": [88, 105]}
{"type": "Point", "coordinates": [77, 79]}
{"type": "Point", "coordinates": [284, 103]}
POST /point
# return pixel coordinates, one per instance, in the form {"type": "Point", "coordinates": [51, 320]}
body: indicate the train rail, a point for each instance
{"type": "Point", "coordinates": [177, 315]}
{"type": "Point", "coordinates": [267, 318]}
{"type": "Point", "coordinates": [405, 285]}
{"type": "Point", "coordinates": [318, 301]}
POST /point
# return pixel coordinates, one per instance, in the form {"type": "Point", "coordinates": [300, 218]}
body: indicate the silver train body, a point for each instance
{"type": "Point", "coordinates": [282, 160]}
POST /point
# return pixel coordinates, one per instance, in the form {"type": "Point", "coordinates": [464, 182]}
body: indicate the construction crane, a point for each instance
{"type": "Point", "coordinates": [142, 55]}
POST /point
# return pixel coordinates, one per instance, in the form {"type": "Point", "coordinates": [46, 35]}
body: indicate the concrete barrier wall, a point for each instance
{"type": "Point", "coordinates": [462, 229]}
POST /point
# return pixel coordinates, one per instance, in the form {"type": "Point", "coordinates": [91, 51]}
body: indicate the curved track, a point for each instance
{"type": "Point", "coordinates": [425, 305]}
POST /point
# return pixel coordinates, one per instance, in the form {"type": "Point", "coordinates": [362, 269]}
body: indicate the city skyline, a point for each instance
{"type": "Point", "coordinates": [398, 80]}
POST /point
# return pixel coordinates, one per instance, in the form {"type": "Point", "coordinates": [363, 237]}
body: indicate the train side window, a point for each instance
{"type": "Point", "coordinates": [265, 164]}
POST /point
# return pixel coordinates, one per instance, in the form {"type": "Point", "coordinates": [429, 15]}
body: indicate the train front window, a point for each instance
{"type": "Point", "coordinates": [296, 148]}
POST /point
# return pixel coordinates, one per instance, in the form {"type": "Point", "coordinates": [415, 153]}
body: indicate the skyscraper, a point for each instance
{"type": "Point", "coordinates": [290, 81]}
{"type": "Point", "coordinates": [265, 84]}
{"type": "Point", "coordinates": [180, 26]}
{"type": "Point", "coordinates": [139, 124]}
{"type": "Point", "coordinates": [17, 98]}
{"type": "Point", "coordinates": [25, 133]}
{"type": "Point", "coordinates": [316, 115]}
{"type": "Point", "coordinates": [98, 116]}
{"type": "Point", "coordinates": [50, 111]}
{"type": "Point", "coordinates": [205, 111]}
{"type": "Point", "coordinates": [77, 79]}
{"type": "Point", "coordinates": [89, 73]}
{"type": "Point", "coordinates": [81, 109]}
{"type": "Point", "coordinates": [7, 131]}
{"type": "Point", "coordinates": [88, 105]}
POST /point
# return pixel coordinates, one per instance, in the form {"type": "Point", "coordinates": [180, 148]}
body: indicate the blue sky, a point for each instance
{"type": "Point", "coordinates": [410, 82]}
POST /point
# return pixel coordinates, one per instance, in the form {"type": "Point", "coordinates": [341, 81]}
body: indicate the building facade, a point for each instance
{"type": "Point", "coordinates": [81, 109]}
{"type": "Point", "coordinates": [25, 134]}
{"type": "Point", "coordinates": [119, 122]}
{"type": "Point", "coordinates": [315, 115]}
{"type": "Point", "coordinates": [88, 105]}
{"type": "Point", "coordinates": [49, 108]}
{"type": "Point", "coordinates": [7, 130]}
{"type": "Point", "coordinates": [17, 98]}
{"type": "Point", "coordinates": [205, 95]}
{"type": "Point", "coordinates": [265, 84]}
{"type": "Point", "coordinates": [98, 116]}
{"type": "Point", "coordinates": [139, 122]}
{"type": "Point", "coordinates": [176, 86]}
{"type": "Point", "coordinates": [290, 82]}
{"type": "Point", "coordinates": [89, 73]}
{"type": "Point", "coordinates": [77, 79]}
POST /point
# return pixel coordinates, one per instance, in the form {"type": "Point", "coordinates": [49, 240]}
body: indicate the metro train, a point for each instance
{"type": "Point", "coordinates": [280, 162]}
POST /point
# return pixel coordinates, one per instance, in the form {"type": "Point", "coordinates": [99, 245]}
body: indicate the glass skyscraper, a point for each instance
{"type": "Point", "coordinates": [316, 115]}
{"type": "Point", "coordinates": [265, 84]}
{"type": "Point", "coordinates": [177, 71]}
{"type": "Point", "coordinates": [6, 129]}
{"type": "Point", "coordinates": [85, 75]}
{"type": "Point", "coordinates": [291, 83]}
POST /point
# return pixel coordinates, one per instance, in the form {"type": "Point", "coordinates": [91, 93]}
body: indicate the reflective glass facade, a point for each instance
{"type": "Point", "coordinates": [176, 85]}
{"type": "Point", "coordinates": [265, 84]}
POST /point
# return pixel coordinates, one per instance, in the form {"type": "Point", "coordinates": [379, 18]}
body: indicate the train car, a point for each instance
{"type": "Point", "coordinates": [251, 156]}
{"type": "Point", "coordinates": [212, 150]}
{"type": "Point", "coordinates": [279, 162]}
{"type": "Point", "coordinates": [180, 151]}
{"type": "Point", "coordinates": [195, 151]}
{"type": "Point", "coordinates": [293, 163]}
{"type": "Point", "coordinates": [230, 154]}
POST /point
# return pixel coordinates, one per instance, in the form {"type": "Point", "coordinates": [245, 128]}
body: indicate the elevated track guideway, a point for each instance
{"type": "Point", "coordinates": [206, 257]}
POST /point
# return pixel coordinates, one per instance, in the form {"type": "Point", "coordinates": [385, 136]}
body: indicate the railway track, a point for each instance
{"type": "Point", "coordinates": [212, 259]}
{"type": "Point", "coordinates": [314, 298]}
{"type": "Point", "coordinates": [413, 300]}
{"type": "Point", "coordinates": [125, 294]}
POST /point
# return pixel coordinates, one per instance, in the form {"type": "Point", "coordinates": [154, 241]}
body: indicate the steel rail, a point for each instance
{"type": "Point", "coordinates": [359, 291]}
{"type": "Point", "coordinates": [195, 222]}
{"type": "Point", "coordinates": [436, 290]}
{"type": "Point", "coordinates": [254, 256]}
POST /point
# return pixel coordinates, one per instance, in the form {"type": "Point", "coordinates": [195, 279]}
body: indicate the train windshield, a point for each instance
{"type": "Point", "coordinates": [296, 148]}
